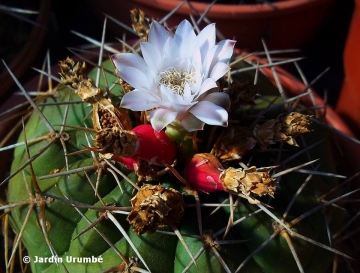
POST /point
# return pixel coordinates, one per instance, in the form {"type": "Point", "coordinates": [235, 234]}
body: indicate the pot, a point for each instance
{"type": "Point", "coordinates": [349, 100]}
{"type": "Point", "coordinates": [284, 24]}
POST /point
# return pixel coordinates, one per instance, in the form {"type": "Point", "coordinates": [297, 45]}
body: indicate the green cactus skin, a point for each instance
{"type": "Point", "coordinates": [161, 252]}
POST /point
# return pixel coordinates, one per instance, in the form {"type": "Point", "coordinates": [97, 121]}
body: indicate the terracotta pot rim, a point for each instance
{"type": "Point", "coordinates": [246, 11]}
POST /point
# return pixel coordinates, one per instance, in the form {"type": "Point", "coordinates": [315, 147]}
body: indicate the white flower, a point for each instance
{"type": "Point", "coordinates": [176, 78]}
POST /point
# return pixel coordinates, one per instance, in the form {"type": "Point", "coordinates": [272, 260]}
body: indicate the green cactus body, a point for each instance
{"type": "Point", "coordinates": [161, 252]}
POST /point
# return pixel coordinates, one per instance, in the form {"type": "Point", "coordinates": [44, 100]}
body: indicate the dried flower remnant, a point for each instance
{"type": "Point", "coordinates": [242, 93]}
{"type": "Point", "coordinates": [251, 180]}
{"type": "Point", "coordinates": [116, 142]}
{"type": "Point", "coordinates": [155, 206]}
{"type": "Point", "coordinates": [148, 172]}
{"type": "Point", "coordinates": [295, 124]}
{"type": "Point", "coordinates": [140, 23]}
{"type": "Point", "coordinates": [233, 143]}
{"type": "Point", "coordinates": [71, 72]}
{"type": "Point", "coordinates": [105, 113]}
{"type": "Point", "coordinates": [176, 78]}
{"type": "Point", "coordinates": [267, 133]}
{"type": "Point", "coordinates": [205, 173]}
{"type": "Point", "coordinates": [282, 129]}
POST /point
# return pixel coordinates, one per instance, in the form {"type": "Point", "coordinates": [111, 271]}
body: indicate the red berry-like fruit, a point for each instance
{"type": "Point", "coordinates": [154, 147]}
{"type": "Point", "coordinates": [203, 172]}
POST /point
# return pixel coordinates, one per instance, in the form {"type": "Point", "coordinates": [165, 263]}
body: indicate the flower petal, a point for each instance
{"type": "Point", "coordinates": [187, 96]}
{"type": "Point", "coordinates": [185, 38]}
{"type": "Point", "coordinates": [161, 117]}
{"type": "Point", "coordinates": [210, 113]}
{"type": "Point", "coordinates": [158, 36]}
{"type": "Point", "coordinates": [219, 70]}
{"type": "Point", "coordinates": [151, 55]}
{"type": "Point", "coordinates": [206, 39]}
{"type": "Point", "coordinates": [207, 85]}
{"type": "Point", "coordinates": [134, 70]}
{"type": "Point", "coordinates": [191, 123]}
{"type": "Point", "coordinates": [224, 51]}
{"type": "Point", "coordinates": [136, 78]}
{"type": "Point", "coordinates": [183, 29]}
{"type": "Point", "coordinates": [219, 98]}
{"type": "Point", "coordinates": [124, 60]}
{"type": "Point", "coordinates": [209, 60]}
{"type": "Point", "coordinates": [170, 53]}
{"type": "Point", "coordinates": [139, 100]}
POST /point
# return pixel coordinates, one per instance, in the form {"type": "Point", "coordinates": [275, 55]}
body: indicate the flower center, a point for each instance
{"type": "Point", "coordinates": [176, 79]}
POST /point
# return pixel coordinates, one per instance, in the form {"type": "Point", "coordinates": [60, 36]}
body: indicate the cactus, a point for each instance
{"type": "Point", "coordinates": [77, 204]}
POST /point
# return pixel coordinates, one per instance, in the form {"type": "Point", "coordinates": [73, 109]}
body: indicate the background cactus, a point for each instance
{"type": "Point", "coordinates": [62, 203]}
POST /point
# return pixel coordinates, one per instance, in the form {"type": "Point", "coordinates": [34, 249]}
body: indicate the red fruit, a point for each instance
{"type": "Point", "coordinates": [203, 172]}
{"type": "Point", "coordinates": [154, 147]}
{"type": "Point", "coordinates": [128, 162]}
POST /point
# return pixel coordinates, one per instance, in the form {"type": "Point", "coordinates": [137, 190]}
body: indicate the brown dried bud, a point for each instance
{"type": "Point", "coordinates": [140, 23]}
{"type": "Point", "coordinates": [71, 73]}
{"type": "Point", "coordinates": [147, 171]}
{"type": "Point", "coordinates": [242, 93]}
{"type": "Point", "coordinates": [252, 180]}
{"type": "Point", "coordinates": [88, 92]}
{"type": "Point", "coordinates": [233, 143]}
{"type": "Point", "coordinates": [282, 129]}
{"type": "Point", "coordinates": [155, 206]}
{"type": "Point", "coordinates": [116, 141]}
{"type": "Point", "coordinates": [267, 133]}
{"type": "Point", "coordinates": [295, 124]}
{"type": "Point", "coordinates": [106, 115]}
